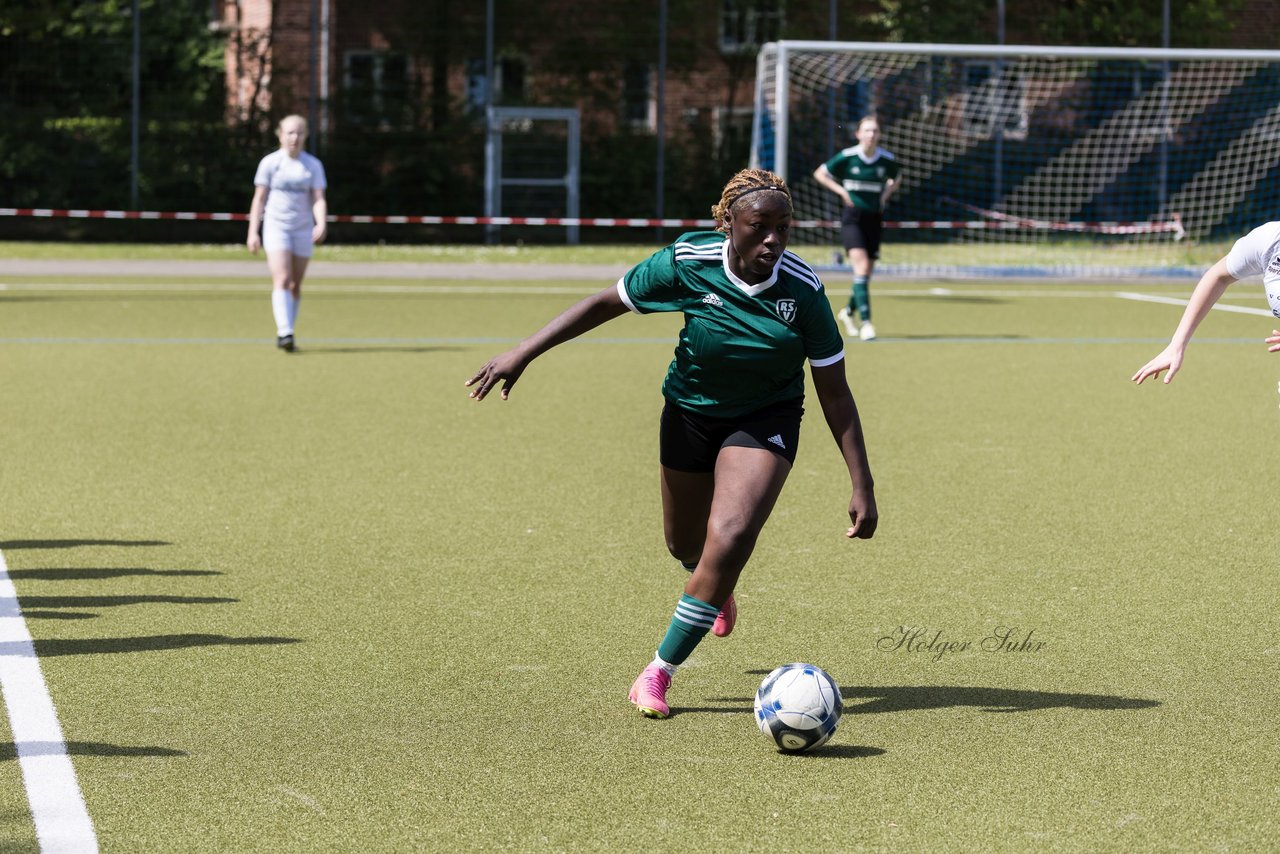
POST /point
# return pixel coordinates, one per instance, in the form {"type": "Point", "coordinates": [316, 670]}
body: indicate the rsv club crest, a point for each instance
{"type": "Point", "coordinates": [787, 309]}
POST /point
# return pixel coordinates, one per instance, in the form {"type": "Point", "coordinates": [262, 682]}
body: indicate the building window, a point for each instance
{"type": "Point", "coordinates": [376, 88]}
{"type": "Point", "coordinates": [745, 25]}
{"type": "Point", "coordinates": [731, 132]}
{"type": "Point", "coordinates": [639, 109]}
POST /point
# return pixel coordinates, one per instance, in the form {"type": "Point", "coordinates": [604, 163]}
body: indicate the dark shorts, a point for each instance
{"type": "Point", "coordinates": [861, 230]}
{"type": "Point", "coordinates": [691, 442]}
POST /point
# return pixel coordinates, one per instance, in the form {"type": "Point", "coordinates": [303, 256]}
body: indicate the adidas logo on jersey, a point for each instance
{"type": "Point", "coordinates": [777, 440]}
{"type": "Point", "coordinates": [712, 299]}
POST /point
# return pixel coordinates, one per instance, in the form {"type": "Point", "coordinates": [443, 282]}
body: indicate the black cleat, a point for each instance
{"type": "Point", "coordinates": [285, 342]}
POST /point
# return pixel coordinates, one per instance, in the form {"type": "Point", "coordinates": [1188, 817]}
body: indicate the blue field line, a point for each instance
{"type": "Point", "coordinates": [320, 343]}
{"type": "Point", "coordinates": [1061, 271]}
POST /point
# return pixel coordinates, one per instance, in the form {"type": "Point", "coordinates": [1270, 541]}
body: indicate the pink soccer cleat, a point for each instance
{"type": "Point", "coordinates": [649, 692]}
{"type": "Point", "coordinates": [726, 619]}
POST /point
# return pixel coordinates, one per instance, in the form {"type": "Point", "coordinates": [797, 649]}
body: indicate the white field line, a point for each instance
{"type": "Point", "coordinates": [1238, 309]}
{"type": "Point", "coordinates": [57, 806]}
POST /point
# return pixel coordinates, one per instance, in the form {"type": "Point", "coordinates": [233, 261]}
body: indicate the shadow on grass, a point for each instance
{"type": "Point", "coordinates": [911, 698]}
{"type": "Point", "coordinates": [837, 751]}
{"type": "Point", "coordinates": [948, 297]}
{"type": "Point", "coordinates": [150, 643]}
{"type": "Point", "coordinates": [93, 573]}
{"type": "Point", "coordinates": [9, 750]}
{"type": "Point", "coordinates": [743, 706]}
{"type": "Point", "coordinates": [46, 607]}
{"type": "Point", "coordinates": [953, 337]}
{"type": "Point", "coordinates": [116, 601]}
{"type": "Point", "coordinates": [68, 544]}
{"type": "Point", "coordinates": [321, 350]}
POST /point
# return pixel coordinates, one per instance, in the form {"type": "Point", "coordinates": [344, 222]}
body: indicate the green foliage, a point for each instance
{"type": "Point", "coordinates": [1092, 23]}
{"type": "Point", "coordinates": [67, 99]}
{"type": "Point", "coordinates": [1118, 23]}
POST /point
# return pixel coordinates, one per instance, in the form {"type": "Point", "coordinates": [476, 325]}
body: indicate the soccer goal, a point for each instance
{"type": "Point", "coordinates": [538, 175]}
{"type": "Point", "coordinates": [1026, 160]}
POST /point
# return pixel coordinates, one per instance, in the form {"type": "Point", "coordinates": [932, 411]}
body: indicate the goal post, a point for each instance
{"type": "Point", "coordinates": [1031, 160]}
{"type": "Point", "coordinates": [538, 174]}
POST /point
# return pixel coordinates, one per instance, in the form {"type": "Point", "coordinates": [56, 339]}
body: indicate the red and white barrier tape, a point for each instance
{"type": "Point", "coordinates": [1173, 225]}
{"type": "Point", "coordinates": [997, 221]}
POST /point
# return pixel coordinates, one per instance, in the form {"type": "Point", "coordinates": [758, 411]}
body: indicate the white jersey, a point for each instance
{"type": "Point", "coordinates": [289, 182]}
{"type": "Point", "coordinates": [1258, 254]}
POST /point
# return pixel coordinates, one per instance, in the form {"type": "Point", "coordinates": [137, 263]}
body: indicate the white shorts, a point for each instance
{"type": "Point", "coordinates": [296, 241]}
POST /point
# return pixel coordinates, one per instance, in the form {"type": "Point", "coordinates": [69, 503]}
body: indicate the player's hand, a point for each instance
{"type": "Point", "coordinates": [505, 369]}
{"type": "Point", "coordinates": [318, 233]}
{"type": "Point", "coordinates": [1170, 360]}
{"type": "Point", "coordinates": [863, 514]}
{"type": "Point", "coordinates": [254, 242]}
{"type": "Point", "coordinates": [1274, 341]}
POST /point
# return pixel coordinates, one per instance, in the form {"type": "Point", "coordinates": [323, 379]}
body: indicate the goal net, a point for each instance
{"type": "Point", "coordinates": [1023, 160]}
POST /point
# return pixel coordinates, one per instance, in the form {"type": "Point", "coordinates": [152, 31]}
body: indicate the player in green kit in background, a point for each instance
{"type": "Point", "coordinates": [754, 313]}
{"type": "Point", "coordinates": [864, 177]}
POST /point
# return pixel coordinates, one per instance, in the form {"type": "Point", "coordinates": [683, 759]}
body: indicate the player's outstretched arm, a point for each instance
{"type": "Point", "coordinates": [841, 412]}
{"type": "Point", "coordinates": [1169, 362]}
{"type": "Point", "coordinates": [824, 177]}
{"type": "Point", "coordinates": [582, 317]}
{"type": "Point", "coordinates": [1208, 291]}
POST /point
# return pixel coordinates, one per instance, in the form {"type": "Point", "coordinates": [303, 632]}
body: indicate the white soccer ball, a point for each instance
{"type": "Point", "coordinates": [798, 706]}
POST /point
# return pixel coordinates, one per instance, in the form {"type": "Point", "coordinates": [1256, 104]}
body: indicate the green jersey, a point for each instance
{"type": "Point", "coordinates": [863, 178]}
{"type": "Point", "coordinates": [743, 347]}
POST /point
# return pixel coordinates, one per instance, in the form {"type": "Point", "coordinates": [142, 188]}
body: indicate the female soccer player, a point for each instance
{"type": "Point", "coordinates": [1257, 253]}
{"type": "Point", "coordinates": [753, 314]}
{"type": "Point", "coordinates": [864, 177]}
{"type": "Point", "coordinates": [289, 205]}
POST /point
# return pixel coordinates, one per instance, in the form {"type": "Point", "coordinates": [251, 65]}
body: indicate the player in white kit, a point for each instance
{"type": "Point", "coordinates": [1257, 253]}
{"type": "Point", "coordinates": [289, 206]}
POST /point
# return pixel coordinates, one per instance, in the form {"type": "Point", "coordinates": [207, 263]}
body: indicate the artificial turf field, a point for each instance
{"type": "Point", "coordinates": [324, 602]}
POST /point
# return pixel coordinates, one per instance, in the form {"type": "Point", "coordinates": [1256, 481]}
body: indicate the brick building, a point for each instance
{"type": "Point", "coordinates": [397, 64]}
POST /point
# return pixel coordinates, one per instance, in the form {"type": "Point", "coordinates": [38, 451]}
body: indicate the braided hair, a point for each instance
{"type": "Point", "coordinates": [748, 182]}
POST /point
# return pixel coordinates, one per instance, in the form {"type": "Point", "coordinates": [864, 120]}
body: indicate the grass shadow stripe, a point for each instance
{"type": "Point", "coordinates": [71, 573]}
{"type": "Point", "coordinates": [39, 602]}
{"type": "Point", "coordinates": [9, 545]}
{"type": "Point", "coordinates": [914, 698]}
{"type": "Point", "coordinates": [146, 643]}
{"type": "Point", "coordinates": [10, 751]}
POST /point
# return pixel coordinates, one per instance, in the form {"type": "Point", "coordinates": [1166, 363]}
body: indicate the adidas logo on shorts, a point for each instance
{"type": "Point", "coordinates": [777, 440]}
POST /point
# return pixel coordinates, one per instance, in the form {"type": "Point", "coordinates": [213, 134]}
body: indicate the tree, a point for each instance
{"type": "Point", "coordinates": [66, 67]}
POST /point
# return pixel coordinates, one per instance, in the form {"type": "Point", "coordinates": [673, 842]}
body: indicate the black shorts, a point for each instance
{"type": "Point", "coordinates": [690, 442]}
{"type": "Point", "coordinates": [861, 229]}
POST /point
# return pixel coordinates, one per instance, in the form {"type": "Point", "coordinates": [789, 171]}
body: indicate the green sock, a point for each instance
{"type": "Point", "coordinates": [689, 625]}
{"type": "Point", "coordinates": [861, 297]}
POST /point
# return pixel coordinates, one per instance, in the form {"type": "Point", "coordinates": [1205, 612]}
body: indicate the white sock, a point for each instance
{"type": "Point", "coordinates": [280, 309]}
{"type": "Point", "coordinates": [291, 302]}
{"type": "Point", "coordinates": [669, 668]}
